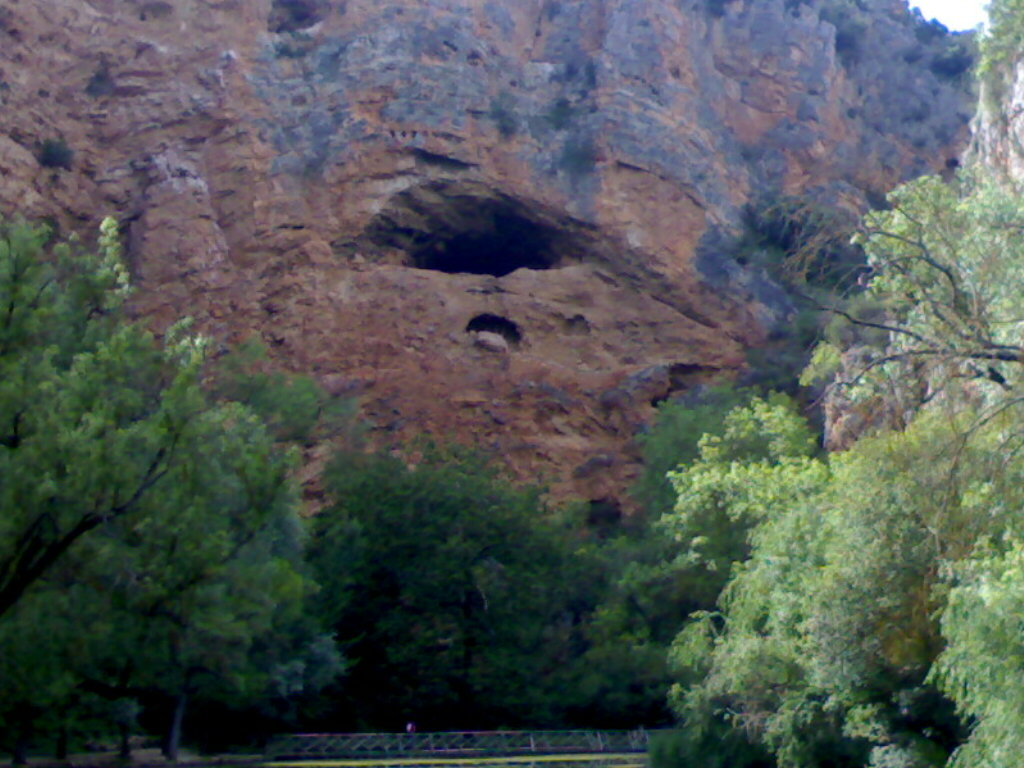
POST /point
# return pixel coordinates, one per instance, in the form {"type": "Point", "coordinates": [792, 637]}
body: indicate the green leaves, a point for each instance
{"type": "Point", "coordinates": [149, 532]}
{"type": "Point", "coordinates": [946, 260]}
{"type": "Point", "coordinates": [448, 586]}
{"type": "Point", "coordinates": [827, 625]}
{"type": "Point", "coordinates": [982, 667]}
{"type": "Point", "coordinates": [759, 462]}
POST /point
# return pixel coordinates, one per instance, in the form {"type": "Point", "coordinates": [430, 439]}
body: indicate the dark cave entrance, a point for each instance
{"type": "Point", "coordinates": [295, 15]}
{"type": "Point", "coordinates": [499, 242]}
{"type": "Point", "coordinates": [467, 228]}
{"type": "Point", "coordinates": [496, 324]}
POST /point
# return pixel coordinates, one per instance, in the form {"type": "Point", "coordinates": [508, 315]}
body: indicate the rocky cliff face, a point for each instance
{"type": "Point", "coordinates": [998, 130]}
{"type": "Point", "coordinates": [513, 223]}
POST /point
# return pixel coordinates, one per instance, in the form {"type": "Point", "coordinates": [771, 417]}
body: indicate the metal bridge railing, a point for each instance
{"type": "Point", "coordinates": [497, 743]}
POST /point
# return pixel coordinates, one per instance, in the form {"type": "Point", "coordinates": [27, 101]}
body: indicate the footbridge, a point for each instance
{"type": "Point", "coordinates": [386, 748]}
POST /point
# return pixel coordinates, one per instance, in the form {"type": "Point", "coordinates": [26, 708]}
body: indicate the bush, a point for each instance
{"type": "Point", "coordinates": [286, 51]}
{"type": "Point", "coordinates": [721, 747]}
{"type": "Point", "coordinates": [716, 7]}
{"type": "Point", "coordinates": [802, 242]}
{"type": "Point", "coordinates": [849, 32]}
{"type": "Point", "coordinates": [294, 407]}
{"type": "Point", "coordinates": [502, 112]}
{"type": "Point", "coordinates": [101, 83]}
{"type": "Point", "coordinates": [952, 62]}
{"type": "Point", "coordinates": [928, 32]}
{"type": "Point", "coordinates": [579, 157]}
{"type": "Point", "coordinates": [672, 440]}
{"type": "Point", "coordinates": [55, 153]}
{"type": "Point", "coordinates": [560, 114]}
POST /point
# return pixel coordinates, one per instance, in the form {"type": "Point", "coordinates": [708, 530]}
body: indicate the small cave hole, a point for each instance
{"type": "Point", "coordinates": [576, 325]}
{"type": "Point", "coordinates": [679, 373]}
{"type": "Point", "coordinates": [502, 326]}
{"type": "Point", "coordinates": [294, 15]}
{"type": "Point", "coordinates": [681, 377]}
{"type": "Point", "coordinates": [497, 243]}
{"type": "Point", "coordinates": [156, 10]}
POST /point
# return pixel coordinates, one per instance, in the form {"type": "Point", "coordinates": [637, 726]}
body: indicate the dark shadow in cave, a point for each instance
{"type": "Point", "coordinates": [496, 324]}
{"type": "Point", "coordinates": [457, 227]}
{"type": "Point", "coordinates": [294, 15]}
{"type": "Point", "coordinates": [500, 242]}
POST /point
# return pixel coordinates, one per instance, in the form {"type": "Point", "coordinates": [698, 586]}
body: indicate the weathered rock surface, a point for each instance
{"type": "Point", "coordinates": [998, 129]}
{"type": "Point", "coordinates": [372, 187]}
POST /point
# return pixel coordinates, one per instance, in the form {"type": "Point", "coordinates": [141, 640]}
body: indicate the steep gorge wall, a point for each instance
{"type": "Point", "coordinates": [998, 128]}
{"type": "Point", "coordinates": [365, 185]}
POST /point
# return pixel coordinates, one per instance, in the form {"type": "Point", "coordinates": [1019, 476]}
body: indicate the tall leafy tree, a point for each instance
{"type": "Point", "coordinates": [945, 261]}
{"type": "Point", "coordinates": [94, 414]}
{"type": "Point", "coordinates": [827, 647]}
{"type": "Point", "coordinates": [826, 633]}
{"type": "Point", "coordinates": [449, 588]}
{"type": "Point", "coordinates": [982, 668]}
{"type": "Point", "coordinates": [149, 538]}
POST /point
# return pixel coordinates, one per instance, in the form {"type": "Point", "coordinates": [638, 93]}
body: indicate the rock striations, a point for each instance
{"type": "Point", "coordinates": [508, 222]}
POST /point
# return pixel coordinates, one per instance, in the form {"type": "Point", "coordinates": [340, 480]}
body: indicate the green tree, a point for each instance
{"type": "Point", "coordinates": [847, 576]}
{"type": "Point", "coordinates": [293, 406]}
{"type": "Point", "coordinates": [825, 637]}
{"type": "Point", "coordinates": [761, 465]}
{"type": "Point", "coordinates": [945, 262]}
{"type": "Point", "coordinates": [92, 412]}
{"type": "Point", "coordinates": [149, 538]}
{"type": "Point", "coordinates": [673, 439]}
{"type": "Point", "coordinates": [982, 668]}
{"type": "Point", "coordinates": [452, 601]}
{"type": "Point", "coordinates": [205, 587]}
{"type": "Point", "coordinates": [759, 461]}
{"type": "Point", "coordinates": [1000, 49]}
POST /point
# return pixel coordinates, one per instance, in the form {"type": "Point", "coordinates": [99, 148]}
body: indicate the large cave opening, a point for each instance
{"type": "Point", "coordinates": [467, 228]}
{"type": "Point", "coordinates": [498, 242]}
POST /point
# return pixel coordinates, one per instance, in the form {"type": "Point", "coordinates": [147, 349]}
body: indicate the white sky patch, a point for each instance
{"type": "Point", "coordinates": [955, 14]}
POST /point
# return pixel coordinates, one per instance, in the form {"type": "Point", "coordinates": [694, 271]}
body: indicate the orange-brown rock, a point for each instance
{"type": "Point", "coordinates": [386, 191]}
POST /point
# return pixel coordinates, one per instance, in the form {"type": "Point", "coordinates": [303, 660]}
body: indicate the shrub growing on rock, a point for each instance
{"type": "Point", "coordinates": [55, 153]}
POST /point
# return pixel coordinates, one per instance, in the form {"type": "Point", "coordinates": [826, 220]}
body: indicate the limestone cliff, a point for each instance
{"type": "Point", "coordinates": [513, 223]}
{"type": "Point", "coordinates": [998, 130]}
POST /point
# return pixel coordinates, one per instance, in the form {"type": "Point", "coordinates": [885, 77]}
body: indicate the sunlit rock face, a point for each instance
{"type": "Point", "coordinates": [999, 126]}
{"type": "Point", "coordinates": [356, 182]}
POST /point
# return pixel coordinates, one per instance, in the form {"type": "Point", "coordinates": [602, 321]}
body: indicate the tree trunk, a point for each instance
{"type": "Point", "coordinates": [124, 754]}
{"type": "Point", "coordinates": [60, 752]}
{"type": "Point", "coordinates": [22, 742]}
{"type": "Point", "coordinates": [174, 735]}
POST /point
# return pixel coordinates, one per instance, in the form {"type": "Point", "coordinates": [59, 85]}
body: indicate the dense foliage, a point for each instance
{"type": "Point", "coordinates": [1001, 46]}
{"type": "Point", "coordinates": [150, 549]}
{"type": "Point", "coordinates": [453, 595]}
{"type": "Point", "coordinates": [871, 612]}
